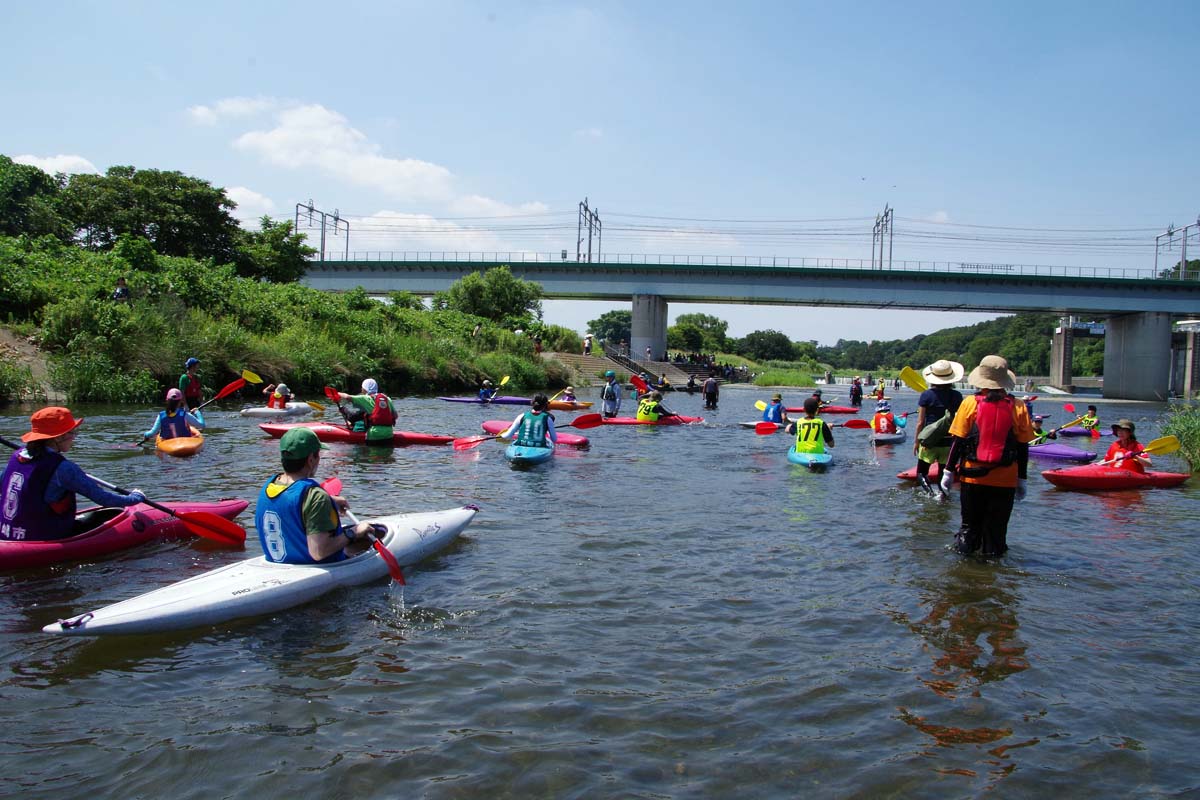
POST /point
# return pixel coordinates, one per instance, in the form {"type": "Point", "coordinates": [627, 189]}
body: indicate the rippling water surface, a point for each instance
{"type": "Point", "coordinates": [676, 612]}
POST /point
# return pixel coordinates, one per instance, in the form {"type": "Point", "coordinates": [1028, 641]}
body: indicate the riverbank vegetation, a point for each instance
{"type": "Point", "coordinates": [1183, 421]}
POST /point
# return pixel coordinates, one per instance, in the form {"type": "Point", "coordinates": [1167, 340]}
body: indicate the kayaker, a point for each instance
{"type": "Point", "coordinates": [1041, 436]}
{"type": "Point", "coordinates": [1126, 452]}
{"type": "Point", "coordinates": [820, 403]}
{"type": "Point", "coordinates": [856, 392]}
{"type": "Point", "coordinates": [39, 484]}
{"type": "Point", "coordinates": [297, 520]}
{"type": "Point", "coordinates": [535, 427]}
{"type": "Point", "coordinates": [990, 453]}
{"type": "Point", "coordinates": [278, 395]}
{"type": "Point", "coordinates": [487, 391]}
{"type": "Point", "coordinates": [881, 389]}
{"type": "Point", "coordinates": [712, 392]}
{"type": "Point", "coordinates": [1091, 420]}
{"type": "Point", "coordinates": [884, 420]}
{"type": "Point", "coordinates": [650, 408]}
{"type": "Point", "coordinates": [379, 414]}
{"type": "Point", "coordinates": [938, 403]}
{"type": "Point", "coordinates": [813, 434]}
{"type": "Point", "coordinates": [189, 383]}
{"type": "Point", "coordinates": [775, 411]}
{"type": "Point", "coordinates": [174, 421]}
{"type": "Point", "coordinates": [568, 395]}
{"type": "Point", "coordinates": [610, 395]}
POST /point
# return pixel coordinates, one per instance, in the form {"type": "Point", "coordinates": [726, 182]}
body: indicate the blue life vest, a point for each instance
{"type": "Point", "coordinates": [280, 524]}
{"type": "Point", "coordinates": [173, 426]}
{"type": "Point", "coordinates": [532, 432]}
{"type": "Point", "coordinates": [25, 515]}
{"type": "Point", "coordinates": [773, 413]}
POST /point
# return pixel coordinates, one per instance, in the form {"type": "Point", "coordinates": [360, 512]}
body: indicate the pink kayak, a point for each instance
{"type": "Point", "coordinates": [676, 420]}
{"type": "Point", "coordinates": [827, 410]}
{"type": "Point", "coordinates": [112, 529]}
{"type": "Point", "coordinates": [910, 474]}
{"type": "Point", "coordinates": [339, 433]}
{"type": "Point", "coordinates": [495, 426]}
{"type": "Point", "coordinates": [1098, 477]}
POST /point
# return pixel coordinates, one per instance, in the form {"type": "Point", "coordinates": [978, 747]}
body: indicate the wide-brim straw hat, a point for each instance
{"type": "Point", "coordinates": [992, 373]}
{"type": "Point", "coordinates": [944, 372]}
{"type": "Point", "coordinates": [50, 423]}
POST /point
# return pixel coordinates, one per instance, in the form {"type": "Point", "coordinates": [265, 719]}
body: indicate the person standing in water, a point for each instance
{"type": "Point", "coordinates": [610, 395]}
{"type": "Point", "coordinates": [940, 400]}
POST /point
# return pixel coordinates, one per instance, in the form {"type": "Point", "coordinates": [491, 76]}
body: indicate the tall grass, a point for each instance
{"type": "Point", "coordinates": [1183, 421]}
{"type": "Point", "coordinates": [16, 382]}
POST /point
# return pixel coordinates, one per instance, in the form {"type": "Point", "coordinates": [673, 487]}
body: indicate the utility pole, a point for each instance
{"type": "Point", "coordinates": [337, 222]}
{"type": "Point", "coordinates": [591, 218]}
{"type": "Point", "coordinates": [883, 226]}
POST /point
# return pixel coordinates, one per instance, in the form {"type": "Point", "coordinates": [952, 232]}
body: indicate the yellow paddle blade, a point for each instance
{"type": "Point", "coordinates": [913, 379]}
{"type": "Point", "coordinates": [503, 381]}
{"type": "Point", "coordinates": [315, 406]}
{"type": "Point", "coordinates": [760, 405]}
{"type": "Point", "coordinates": [1163, 444]}
{"type": "Point", "coordinates": [250, 377]}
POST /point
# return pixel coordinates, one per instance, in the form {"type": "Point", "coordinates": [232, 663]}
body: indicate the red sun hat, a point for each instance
{"type": "Point", "coordinates": [50, 423]}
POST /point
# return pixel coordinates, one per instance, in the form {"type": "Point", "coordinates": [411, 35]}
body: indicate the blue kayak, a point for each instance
{"type": "Point", "coordinates": [810, 460]}
{"type": "Point", "coordinates": [528, 455]}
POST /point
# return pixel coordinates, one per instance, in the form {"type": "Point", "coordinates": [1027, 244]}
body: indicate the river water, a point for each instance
{"type": "Point", "coordinates": [676, 612]}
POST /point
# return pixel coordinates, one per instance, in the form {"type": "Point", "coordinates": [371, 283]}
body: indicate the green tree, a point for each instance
{"type": "Point", "coordinates": [713, 329]}
{"type": "Point", "coordinates": [766, 346]}
{"type": "Point", "coordinates": [613, 326]}
{"type": "Point", "coordinates": [494, 295]}
{"type": "Point", "coordinates": [685, 337]}
{"type": "Point", "coordinates": [1172, 272]}
{"type": "Point", "coordinates": [274, 252]}
{"type": "Point", "coordinates": [178, 214]}
{"type": "Point", "coordinates": [29, 201]}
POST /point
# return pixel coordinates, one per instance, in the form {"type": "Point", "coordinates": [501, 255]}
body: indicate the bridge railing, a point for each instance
{"type": "Point", "coordinates": [780, 262]}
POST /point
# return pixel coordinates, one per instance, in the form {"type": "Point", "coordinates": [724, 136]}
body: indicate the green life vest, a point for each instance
{"type": "Point", "coordinates": [810, 435]}
{"type": "Point", "coordinates": [648, 409]}
{"type": "Point", "coordinates": [532, 432]}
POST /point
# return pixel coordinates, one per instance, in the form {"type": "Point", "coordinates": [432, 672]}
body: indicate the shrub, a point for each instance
{"type": "Point", "coordinates": [1183, 421]}
{"type": "Point", "coordinates": [16, 382]}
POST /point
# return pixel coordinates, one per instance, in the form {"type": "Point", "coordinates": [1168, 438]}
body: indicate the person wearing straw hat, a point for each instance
{"type": "Point", "coordinates": [989, 451]}
{"type": "Point", "coordinates": [39, 484]}
{"type": "Point", "coordinates": [1125, 452]}
{"type": "Point", "coordinates": [568, 394]}
{"type": "Point", "coordinates": [937, 402]}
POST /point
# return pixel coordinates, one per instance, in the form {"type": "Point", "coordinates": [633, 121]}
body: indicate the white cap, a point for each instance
{"type": "Point", "coordinates": [369, 386]}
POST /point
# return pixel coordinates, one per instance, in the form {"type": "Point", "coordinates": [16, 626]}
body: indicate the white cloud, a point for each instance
{"type": "Point", "coordinates": [313, 137]}
{"type": "Point", "coordinates": [473, 205]}
{"type": "Point", "coordinates": [60, 163]}
{"type": "Point", "coordinates": [231, 107]}
{"type": "Point", "coordinates": [250, 204]}
{"type": "Point", "coordinates": [589, 133]}
{"type": "Point", "coordinates": [938, 217]}
{"type": "Point", "coordinates": [394, 231]}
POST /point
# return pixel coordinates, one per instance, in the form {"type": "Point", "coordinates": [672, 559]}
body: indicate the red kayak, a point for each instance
{"type": "Point", "coordinates": [1104, 478]}
{"type": "Point", "coordinates": [112, 529]}
{"type": "Point", "coordinates": [827, 410]}
{"type": "Point", "coordinates": [494, 426]}
{"type": "Point", "coordinates": [935, 473]}
{"type": "Point", "coordinates": [339, 433]}
{"type": "Point", "coordinates": [676, 420]}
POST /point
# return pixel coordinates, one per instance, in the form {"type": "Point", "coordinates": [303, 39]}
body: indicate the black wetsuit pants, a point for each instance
{"type": "Point", "coordinates": [985, 513]}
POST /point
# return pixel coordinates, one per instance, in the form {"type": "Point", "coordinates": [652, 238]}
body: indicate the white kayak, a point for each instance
{"type": "Point", "coordinates": [257, 586]}
{"type": "Point", "coordinates": [889, 438]}
{"type": "Point", "coordinates": [292, 410]}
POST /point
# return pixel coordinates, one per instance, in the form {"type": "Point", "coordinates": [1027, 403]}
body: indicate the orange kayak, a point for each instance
{"type": "Point", "coordinates": [181, 445]}
{"type": "Point", "coordinates": [569, 405]}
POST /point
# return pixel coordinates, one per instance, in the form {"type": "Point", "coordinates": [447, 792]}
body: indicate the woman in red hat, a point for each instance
{"type": "Point", "coordinates": [38, 488]}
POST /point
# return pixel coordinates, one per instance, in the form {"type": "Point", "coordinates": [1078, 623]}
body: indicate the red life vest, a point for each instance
{"type": "Point", "coordinates": [994, 421]}
{"type": "Point", "coordinates": [383, 413]}
{"type": "Point", "coordinates": [885, 423]}
{"type": "Point", "coordinates": [276, 401]}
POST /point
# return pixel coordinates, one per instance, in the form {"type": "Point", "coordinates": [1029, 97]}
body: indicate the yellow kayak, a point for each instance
{"type": "Point", "coordinates": [569, 405]}
{"type": "Point", "coordinates": [181, 445]}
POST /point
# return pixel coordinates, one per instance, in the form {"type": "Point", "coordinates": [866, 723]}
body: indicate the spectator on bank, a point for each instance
{"type": "Point", "coordinates": [121, 293]}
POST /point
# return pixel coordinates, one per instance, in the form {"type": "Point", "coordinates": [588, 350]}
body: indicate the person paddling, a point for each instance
{"type": "Point", "coordinates": [813, 434]}
{"type": "Point", "coordinates": [568, 395]}
{"type": "Point", "coordinates": [775, 412]}
{"type": "Point", "coordinates": [297, 520]}
{"type": "Point", "coordinates": [1125, 452]}
{"type": "Point", "coordinates": [533, 428]}
{"type": "Point", "coordinates": [39, 484]}
{"type": "Point", "coordinates": [651, 409]}
{"type": "Point", "coordinates": [278, 395]}
{"type": "Point", "coordinates": [884, 421]}
{"type": "Point", "coordinates": [175, 421]}
{"type": "Point", "coordinates": [487, 391]}
{"type": "Point", "coordinates": [1041, 436]}
{"type": "Point", "coordinates": [610, 395]}
{"type": "Point", "coordinates": [189, 384]}
{"type": "Point", "coordinates": [377, 416]}
{"type": "Point", "coordinates": [1090, 420]}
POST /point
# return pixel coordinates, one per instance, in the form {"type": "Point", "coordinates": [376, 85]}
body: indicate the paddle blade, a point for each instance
{"type": "Point", "coordinates": [392, 564]}
{"type": "Point", "coordinates": [315, 406]}
{"type": "Point", "coordinates": [471, 442]}
{"type": "Point", "coordinates": [1163, 444]}
{"type": "Point", "coordinates": [1095, 433]}
{"type": "Point", "coordinates": [230, 388]}
{"type": "Point", "coordinates": [503, 381]}
{"type": "Point", "coordinates": [760, 405]}
{"type": "Point", "coordinates": [913, 379]}
{"type": "Point", "coordinates": [1069, 408]}
{"type": "Point", "coordinates": [767, 428]}
{"type": "Point", "coordinates": [332, 485]}
{"type": "Point", "coordinates": [250, 377]}
{"type": "Point", "coordinates": [213, 526]}
{"type": "Point", "coordinates": [856, 423]}
{"type": "Point", "coordinates": [587, 421]}
{"type": "Point", "coordinates": [639, 384]}
{"type": "Point", "coordinates": [332, 394]}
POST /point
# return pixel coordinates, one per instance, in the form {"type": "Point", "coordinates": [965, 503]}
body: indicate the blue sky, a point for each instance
{"type": "Point", "coordinates": [480, 126]}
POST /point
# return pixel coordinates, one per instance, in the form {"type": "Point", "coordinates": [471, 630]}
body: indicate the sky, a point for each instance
{"type": "Point", "coordinates": [1021, 132]}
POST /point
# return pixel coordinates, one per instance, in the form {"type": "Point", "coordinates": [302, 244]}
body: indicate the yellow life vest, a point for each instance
{"type": "Point", "coordinates": [648, 409]}
{"type": "Point", "coordinates": [810, 436]}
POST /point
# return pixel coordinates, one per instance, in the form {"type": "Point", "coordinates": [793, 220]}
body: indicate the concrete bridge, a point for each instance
{"type": "Point", "coordinates": [1137, 306]}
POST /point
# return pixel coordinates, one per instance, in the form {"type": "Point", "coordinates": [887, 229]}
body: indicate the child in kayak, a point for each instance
{"type": "Point", "coordinates": [568, 395]}
{"type": "Point", "coordinates": [378, 414]}
{"type": "Point", "coordinates": [39, 484]}
{"type": "Point", "coordinates": [813, 434]}
{"type": "Point", "coordinates": [775, 412]}
{"type": "Point", "coordinates": [1041, 436]}
{"type": "Point", "coordinates": [297, 520]}
{"type": "Point", "coordinates": [278, 395]}
{"type": "Point", "coordinates": [651, 409]}
{"type": "Point", "coordinates": [176, 421]}
{"type": "Point", "coordinates": [1091, 420]}
{"type": "Point", "coordinates": [533, 428]}
{"type": "Point", "coordinates": [1125, 452]}
{"type": "Point", "coordinates": [487, 391]}
{"type": "Point", "coordinates": [884, 420]}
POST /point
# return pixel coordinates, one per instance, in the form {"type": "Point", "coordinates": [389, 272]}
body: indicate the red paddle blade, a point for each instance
{"type": "Point", "coordinates": [1069, 408]}
{"type": "Point", "coordinates": [638, 383]}
{"type": "Point", "coordinates": [392, 564]}
{"type": "Point", "coordinates": [331, 393]}
{"type": "Point", "coordinates": [213, 526]}
{"type": "Point", "coordinates": [1095, 433]}
{"type": "Point", "coordinates": [332, 485]}
{"type": "Point", "coordinates": [856, 423]}
{"type": "Point", "coordinates": [471, 442]}
{"type": "Point", "coordinates": [230, 388]}
{"type": "Point", "coordinates": [767, 428]}
{"type": "Point", "coordinates": [587, 421]}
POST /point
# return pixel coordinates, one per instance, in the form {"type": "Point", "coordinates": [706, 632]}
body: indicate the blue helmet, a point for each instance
{"type": "Point", "coordinates": [610, 374]}
{"type": "Point", "coordinates": [191, 362]}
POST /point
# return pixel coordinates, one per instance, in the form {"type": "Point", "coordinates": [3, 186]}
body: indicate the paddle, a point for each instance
{"type": "Point", "coordinates": [315, 406]}
{"type": "Point", "coordinates": [767, 428]}
{"type": "Point", "coordinates": [334, 487]}
{"type": "Point", "coordinates": [913, 379]}
{"type": "Point", "coordinates": [583, 422]}
{"type": "Point", "coordinates": [250, 377]}
{"type": "Point", "coordinates": [1163, 444]}
{"type": "Point", "coordinates": [201, 523]}
{"type": "Point", "coordinates": [639, 384]}
{"type": "Point", "coordinates": [229, 389]}
{"type": "Point", "coordinates": [556, 394]}
{"type": "Point", "coordinates": [1070, 409]}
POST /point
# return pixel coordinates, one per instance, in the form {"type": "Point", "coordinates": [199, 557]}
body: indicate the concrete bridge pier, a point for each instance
{"type": "Point", "coordinates": [1137, 356]}
{"type": "Point", "coordinates": [1062, 347]}
{"type": "Point", "coordinates": [649, 326]}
